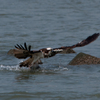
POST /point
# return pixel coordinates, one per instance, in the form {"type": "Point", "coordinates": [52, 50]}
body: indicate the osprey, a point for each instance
{"type": "Point", "coordinates": [22, 52]}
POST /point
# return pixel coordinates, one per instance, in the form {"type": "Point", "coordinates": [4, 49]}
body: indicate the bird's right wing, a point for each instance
{"type": "Point", "coordinates": [20, 51]}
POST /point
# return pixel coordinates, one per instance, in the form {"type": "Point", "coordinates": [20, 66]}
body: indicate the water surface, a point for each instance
{"type": "Point", "coordinates": [48, 23]}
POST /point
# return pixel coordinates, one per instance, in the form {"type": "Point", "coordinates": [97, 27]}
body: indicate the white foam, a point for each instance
{"type": "Point", "coordinates": [44, 68]}
{"type": "Point", "coordinates": [13, 68]}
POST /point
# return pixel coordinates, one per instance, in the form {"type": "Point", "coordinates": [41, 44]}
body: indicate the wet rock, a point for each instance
{"type": "Point", "coordinates": [83, 58]}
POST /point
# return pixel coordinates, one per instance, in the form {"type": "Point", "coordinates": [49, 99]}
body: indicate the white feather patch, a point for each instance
{"type": "Point", "coordinates": [49, 48]}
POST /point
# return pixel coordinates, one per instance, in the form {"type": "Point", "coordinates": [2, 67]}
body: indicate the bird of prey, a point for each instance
{"type": "Point", "coordinates": [22, 52]}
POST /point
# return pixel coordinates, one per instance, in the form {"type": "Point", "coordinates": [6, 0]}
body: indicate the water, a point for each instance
{"type": "Point", "coordinates": [47, 23]}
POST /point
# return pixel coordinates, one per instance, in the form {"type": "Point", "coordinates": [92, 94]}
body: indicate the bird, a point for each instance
{"type": "Point", "coordinates": [34, 56]}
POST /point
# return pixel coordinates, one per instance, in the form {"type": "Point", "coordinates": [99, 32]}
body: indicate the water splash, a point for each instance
{"type": "Point", "coordinates": [43, 69]}
{"type": "Point", "coordinates": [12, 68]}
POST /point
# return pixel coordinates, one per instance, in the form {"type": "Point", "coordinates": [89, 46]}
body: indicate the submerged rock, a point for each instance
{"type": "Point", "coordinates": [83, 58]}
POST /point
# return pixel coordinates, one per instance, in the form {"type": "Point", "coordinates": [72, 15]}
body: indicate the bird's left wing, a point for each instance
{"type": "Point", "coordinates": [80, 44]}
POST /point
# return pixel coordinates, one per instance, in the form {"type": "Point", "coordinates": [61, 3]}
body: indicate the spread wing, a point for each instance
{"type": "Point", "coordinates": [22, 52]}
{"type": "Point", "coordinates": [80, 44]}
{"type": "Point", "coordinates": [25, 51]}
{"type": "Point", "coordinates": [87, 40]}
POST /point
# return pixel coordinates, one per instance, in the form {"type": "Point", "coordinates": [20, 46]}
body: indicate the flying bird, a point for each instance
{"type": "Point", "coordinates": [23, 52]}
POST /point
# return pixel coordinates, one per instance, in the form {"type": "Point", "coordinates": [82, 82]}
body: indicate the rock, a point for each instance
{"type": "Point", "coordinates": [83, 58]}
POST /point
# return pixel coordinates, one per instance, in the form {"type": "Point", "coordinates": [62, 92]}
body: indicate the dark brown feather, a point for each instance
{"type": "Point", "coordinates": [87, 40]}
{"type": "Point", "coordinates": [18, 46]}
{"type": "Point", "coordinates": [21, 51]}
{"type": "Point", "coordinates": [26, 63]}
{"type": "Point", "coordinates": [29, 48]}
{"type": "Point", "coordinates": [82, 43]}
{"type": "Point", "coordinates": [22, 47]}
{"type": "Point", "coordinates": [25, 46]}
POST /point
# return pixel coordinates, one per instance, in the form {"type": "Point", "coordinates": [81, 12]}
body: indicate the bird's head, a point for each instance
{"type": "Point", "coordinates": [49, 52]}
{"type": "Point", "coordinates": [52, 52]}
{"type": "Point", "coordinates": [46, 52]}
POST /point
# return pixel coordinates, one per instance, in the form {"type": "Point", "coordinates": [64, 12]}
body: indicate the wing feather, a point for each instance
{"type": "Point", "coordinates": [22, 46]}
{"type": "Point", "coordinates": [29, 48]}
{"type": "Point", "coordinates": [21, 51]}
{"type": "Point", "coordinates": [25, 46]}
{"type": "Point", "coordinates": [87, 40]}
{"type": "Point", "coordinates": [80, 44]}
